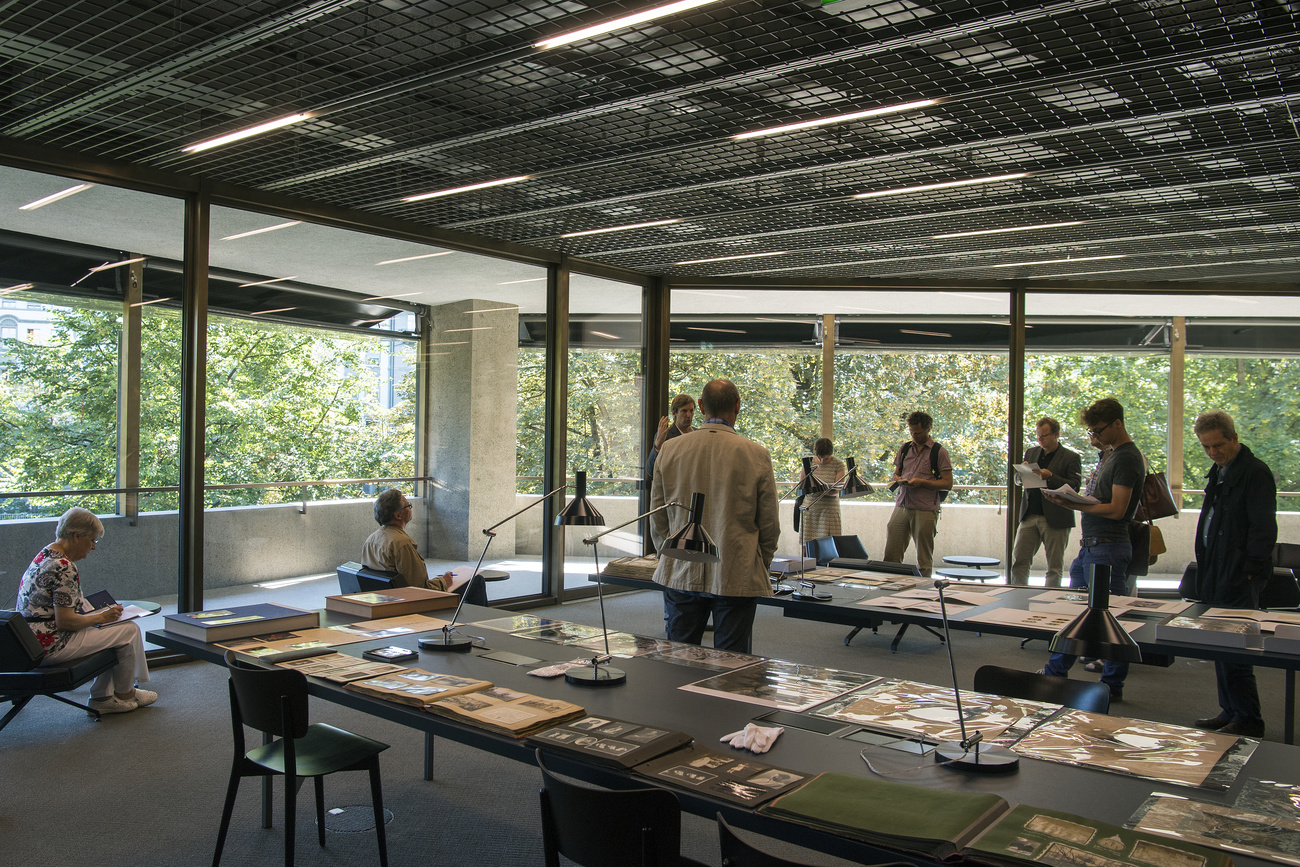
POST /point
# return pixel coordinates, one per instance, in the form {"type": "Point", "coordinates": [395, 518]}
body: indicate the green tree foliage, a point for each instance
{"type": "Point", "coordinates": [283, 404]}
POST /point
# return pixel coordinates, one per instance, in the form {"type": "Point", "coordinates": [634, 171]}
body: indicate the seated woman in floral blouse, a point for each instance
{"type": "Point", "coordinates": [50, 599]}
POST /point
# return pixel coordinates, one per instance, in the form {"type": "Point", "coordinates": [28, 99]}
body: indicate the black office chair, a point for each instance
{"type": "Point", "coordinates": [1280, 591]}
{"type": "Point", "coordinates": [355, 578]}
{"type": "Point", "coordinates": [609, 828]}
{"type": "Point", "coordinates": [22, 678]}
{"type": "Point", "coordinates": [828, 548]}
{"type": "Point", "coordinates": [274, 701]}
{"type": "Point", "coordinates": [1079, 694]}
{"type": "Point", "coordinates": [737, 853]}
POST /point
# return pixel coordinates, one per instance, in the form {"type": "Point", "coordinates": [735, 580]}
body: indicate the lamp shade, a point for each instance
{"type": "Point", "coordinates": [692, 542]}
{"type": "Point", "coordinates": [854, 486]}
{"type": "Point", "coordinates": [579, 510]}
{"type": "Point", "coordinates": [1096, 632]}
{"type": "Point", "coordinates": [810, 484]}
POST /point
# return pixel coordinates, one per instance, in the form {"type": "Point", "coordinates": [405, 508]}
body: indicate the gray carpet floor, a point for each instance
{"type": "Point", "coordinates": [146, 788]}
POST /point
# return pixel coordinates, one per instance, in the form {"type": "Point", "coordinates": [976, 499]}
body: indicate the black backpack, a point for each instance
{"type": "Point", "coordinates": [934, 464]}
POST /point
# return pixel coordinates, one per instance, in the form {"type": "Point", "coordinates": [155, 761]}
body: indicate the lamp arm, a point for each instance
{"type": "Point", "coordinates": [591, 540]}
{"type": "Point", "coordinates": [513, 515]}
{"type": "Point", "coordinates": [966, 742]}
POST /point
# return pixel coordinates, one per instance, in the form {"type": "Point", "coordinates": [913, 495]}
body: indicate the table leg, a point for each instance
{"type": "Point", "coordinates": [1288, 723]}
{"type": "Point", "coordinates": [266, 789]}
{"type": "Point", "coordinates": [428, 755]}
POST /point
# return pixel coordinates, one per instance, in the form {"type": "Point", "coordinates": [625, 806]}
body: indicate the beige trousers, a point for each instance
{"type": "Point", "coordinates": [1035, 531]}
{"type": "Point", "coordinates": [916, 526]}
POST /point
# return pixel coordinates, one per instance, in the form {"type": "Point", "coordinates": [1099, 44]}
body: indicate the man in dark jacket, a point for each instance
{"type": "Point", "coordinates": [1043, 522]}
{"type": "Point", "coordinates": [1234, 556]}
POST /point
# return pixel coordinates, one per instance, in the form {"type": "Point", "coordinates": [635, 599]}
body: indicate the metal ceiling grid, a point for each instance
{"type": "Point", "coordinates": [1149, 119]}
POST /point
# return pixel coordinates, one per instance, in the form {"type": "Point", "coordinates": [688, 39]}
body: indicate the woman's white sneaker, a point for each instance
{"type": "Point", "coordinates": [113, 704]}
{"type": "Point", "coordinates": [144, 697]}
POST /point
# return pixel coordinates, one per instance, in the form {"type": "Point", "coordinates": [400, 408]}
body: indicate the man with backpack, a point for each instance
{"type": "Point", "coordinates": [922, 479]}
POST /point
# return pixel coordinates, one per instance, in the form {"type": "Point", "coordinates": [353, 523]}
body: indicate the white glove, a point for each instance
{"type": "Point", "coordinates": [755, 738]}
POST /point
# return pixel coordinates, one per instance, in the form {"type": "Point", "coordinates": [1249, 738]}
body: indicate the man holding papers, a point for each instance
{"type": "Point", "coordinates": [1118, 491]}
{"type": "Point", "coordinates": [1234, 557]}
{"type": "Point", "coordinates": [1043, 522]}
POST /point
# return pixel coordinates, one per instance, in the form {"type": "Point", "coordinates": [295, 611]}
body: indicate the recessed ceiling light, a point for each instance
{"type": "Point", "coordinates": [268, 282]}
{"type": "Point", "coordinates": [260, 231]}
{"type": "Point", "coordinates": [730, 258]}
{"type": "Point", "coordinates": [839, 118]}
{"type": "Point", "coordinates": [1010, 229]}
{"type": "Point", "coordinates": [422, 196]}
{"type": "Point", "coordinates": [238, 135]}
{"type": "Point", "coordinates": [108, 266]}
{"type": "Point", "coordinates": [619, 228]}
{"type": "Point", "coordinates": [276, 310]}
{"type": "Point", "coordinates": [942, 186]}
{"type": "Point", "coordinates": [529, 280]}
{"type": "Point", "coordinates": [62, 194]}
{"type": "Point", "coordinates": [452, 343]}
{"type": "Point", "coordinates": [1059, 261]}
{"type": "Point", "coordinates": [474, 328]}
{"type": "Point", "coordinates": [413, 258]}
{"type": "Point", "coordinates": [618, 23]}
{"type": "Point", "coordinates": [494, 309]}
{"type": "Point", "coordinates": [791, 321]}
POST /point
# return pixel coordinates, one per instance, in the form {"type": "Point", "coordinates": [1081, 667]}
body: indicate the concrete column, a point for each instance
{"type": "Point", "coordinates": [472, 395]}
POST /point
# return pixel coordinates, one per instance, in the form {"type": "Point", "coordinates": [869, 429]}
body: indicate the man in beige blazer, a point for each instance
{"type": "Point", "coordinates": [740, 515]}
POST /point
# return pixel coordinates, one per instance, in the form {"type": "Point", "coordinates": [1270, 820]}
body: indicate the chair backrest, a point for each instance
{"type": "Point", "coordinates": [1281, 590]}
{"type": "Point", "coordinates": [270, 700]}
{"type": "Point", "coordinates": [894, 568]}
{"type": "Point", "coordinates": [851, 547]}
{"type": "Point", "coordinates": [1078, 694]}
{"type": "Point", "coordinates": [822, 550]}
{"type": "Point", "coordinates": [608, 828]}
{"type": "Point", "coordinates": [737, 853]}
{"type": "Point", "coordinates": [355, 578]}
{"type": "Point", "coordinates": [1286, 555]}
{"type": "Point", "coordinates": [19, 649]}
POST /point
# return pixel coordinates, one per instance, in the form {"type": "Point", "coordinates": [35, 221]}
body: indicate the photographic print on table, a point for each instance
{"type": "Point", "coordinates": [560, 632]}
{"type": "Point", "coordinates": [610, 741]}
{"type": "Point", "coordinates": [1140, 748]}
{"type": "Point", "coordinates": [734, 777]}
{"type": "Point", "coordinates": [516, 622]}
{"type": "Point", "coordinates": [1271, 838]}
{"type": "Point", "coordinates": [625, 645]}
{"type": "Point", "coordinates": [707, 658]}
{"type": "Point", "coordinates": [780, 684]}
{"type": "Point", "coordinates": [925, 709]}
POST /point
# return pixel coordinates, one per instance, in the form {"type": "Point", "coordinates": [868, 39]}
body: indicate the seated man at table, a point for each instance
{"type": "Point", "coordinates": [390, 549]}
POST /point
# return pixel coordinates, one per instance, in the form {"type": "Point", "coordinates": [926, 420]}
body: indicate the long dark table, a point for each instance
{"type": "Point", "coordinates": [843, 608]}
{"type": "Point", "coordinates": [651, 696]}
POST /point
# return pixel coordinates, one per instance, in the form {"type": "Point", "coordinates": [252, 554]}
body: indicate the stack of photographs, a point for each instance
{"type": "Point", "coordinates": [734, 777]}
{"type": "Point", "coordinates": [609, 741]}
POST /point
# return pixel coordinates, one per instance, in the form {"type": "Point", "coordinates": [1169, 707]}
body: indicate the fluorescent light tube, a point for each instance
{"type": "Point", "coordinates": [1059, 261]}
{"type": "Point", "coordinates": [839, 118]}
{"type": "Point", "coordinates": [618, 23]}
{"type": "Point", "coordinates": [619, 228]}
{"type": "Point", "coordinates": [1010, 229]}
{"type": "Point", "coordinates": [268, 282]}
{"type": "Point", "coordinates": [260, 231]}
{"type": "Point", "coordinates": [108, 266]}
{"type": "Point", "coordinates": [413, 258]}
{"type": "Point", "coordinates": [245, 133]}
{"type": "Point", "coordinates": [730, 258]}
{"type": "Point", "coordinates": [422, 196]}
{"type": "Point", "coordinates": [942, 186]}
{"type": "Point", "coordinates": [62, 194]}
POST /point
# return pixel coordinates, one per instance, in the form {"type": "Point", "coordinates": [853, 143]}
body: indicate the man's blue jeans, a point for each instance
{"type": "Point", "coordinates": [733, 618]}
{"type": "Point", "coordinates": [1116, 555]}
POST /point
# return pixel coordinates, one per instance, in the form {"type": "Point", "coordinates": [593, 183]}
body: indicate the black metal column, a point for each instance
{"type": "Point", "coordinates": [194, 352]}
{"type": "Point", "coordinates": [555, 442]}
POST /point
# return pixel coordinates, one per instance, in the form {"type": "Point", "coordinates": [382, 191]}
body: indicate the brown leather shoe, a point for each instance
{"type": "Point", "coordinates": [1213, 723]}
{"type": "Point", "coordinates": [1243, 729]}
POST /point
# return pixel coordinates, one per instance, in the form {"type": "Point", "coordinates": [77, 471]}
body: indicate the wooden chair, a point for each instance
{"type": "Point", "coordinates": [1079, 694]}
{"type": "Point", "coordinates": [274, 701]}
{"type": "Point", "coordinates": [609, 827]}
{"type": "Point", "coordinates": [22, 677]}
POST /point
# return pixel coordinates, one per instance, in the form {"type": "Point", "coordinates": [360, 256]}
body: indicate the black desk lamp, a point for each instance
{"type": "Point", "coordinates": [854, 486]}
{"type": "Point", "coordinates": [1096, 632]}
{"type": "Point", "coordinates": [970, 753]}
{"type": "Point", "coordinates": [691, 542]}
{"type": "Point", "coordinates": [579, 511]}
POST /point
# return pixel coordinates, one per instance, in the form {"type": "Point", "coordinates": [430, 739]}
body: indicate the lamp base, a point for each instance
{"type": "Point", "coordinates": [981, 759]}
{"type": "Point", "coordinates": [447, 643]}
{"type": "Point", "coordinates": [813, 596]}
{"type": "Point", "coordinates": [595, 675]}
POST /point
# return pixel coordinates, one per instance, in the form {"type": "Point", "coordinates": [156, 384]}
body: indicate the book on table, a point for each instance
{"type": "Point", "coordinates": [340, 667]}
{"type": "Point", "coordinates": [240, 621]}
{"type": "Point", "coordinates": [506, 711]}
{"type": "Point", "coordinates": [610, 741]}
{"type": "Point", "coordinates": [417, 687]}
{"type": "Point", "coordinates": [391, 602]}
{"type": "Point", "coordinates": [977, 827]}
{"type": "Point", "coordinates": [1219, 631]}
